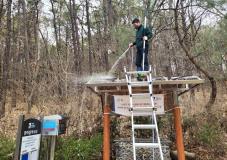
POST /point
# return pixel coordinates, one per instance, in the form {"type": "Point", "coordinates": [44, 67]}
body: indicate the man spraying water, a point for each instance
{"type": "Point", "coordinates": [143, 34]}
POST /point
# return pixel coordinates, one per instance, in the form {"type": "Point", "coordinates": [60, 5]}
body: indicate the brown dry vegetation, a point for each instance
{"type": "Point", "coordinates": [84, 112]}
{"type": "Point", "coordinates": [205, 134]}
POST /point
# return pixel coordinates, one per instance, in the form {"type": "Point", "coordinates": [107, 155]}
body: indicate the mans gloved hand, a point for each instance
{"type": "Point", "coordinates": [145, 38]}
{"type": "Point", "coordinates": [130, 45]}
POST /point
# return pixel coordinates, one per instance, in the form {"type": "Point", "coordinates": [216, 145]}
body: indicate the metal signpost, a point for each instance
{"type": "Point", "coordinates": [53, 126]}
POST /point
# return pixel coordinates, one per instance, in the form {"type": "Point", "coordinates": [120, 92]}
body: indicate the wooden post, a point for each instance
{"type": "Point", "coordinates": [52, 147]}
{"type": "Point", "coordinates": [40, 143]}
{"type": "Point", "coordinates": [18, 140]}
{"type": "Point", "coordinates": [178, 128]}
{"type": "Point", "coordinates": [106, 129]}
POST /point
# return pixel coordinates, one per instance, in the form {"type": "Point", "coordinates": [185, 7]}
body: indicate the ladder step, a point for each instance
{"type": "Point", "coordinates": [144, 126]}
{"type": "Point", "coordinates": [140, 84]}
{"type": "Point", "coordinates": [141, 94]}
{"type": "Point", "coordinates": [147, 145]}
{"type": "Point", "coordinates": [139, 72]}
{"type": "Point", "coordinates": [144, 108]}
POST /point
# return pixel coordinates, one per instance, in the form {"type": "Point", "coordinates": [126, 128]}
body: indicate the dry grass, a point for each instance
{"type": "Point", "coordinates": [84, 112]}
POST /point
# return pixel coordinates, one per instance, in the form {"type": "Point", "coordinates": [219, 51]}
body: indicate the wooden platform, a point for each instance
{"type": "Point", "coordinates": [159, 85]}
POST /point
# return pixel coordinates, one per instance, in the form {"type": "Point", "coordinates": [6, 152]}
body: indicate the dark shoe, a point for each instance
{"type": "Point", "coordinates": [139, 77]}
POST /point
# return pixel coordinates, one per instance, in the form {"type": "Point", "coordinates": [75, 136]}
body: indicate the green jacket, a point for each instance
{"type": "Point", "coordinates": [140, 33]}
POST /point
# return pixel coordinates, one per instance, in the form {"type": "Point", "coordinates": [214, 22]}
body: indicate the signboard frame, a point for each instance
{"type": "Point", "coordinates": [121, 104]}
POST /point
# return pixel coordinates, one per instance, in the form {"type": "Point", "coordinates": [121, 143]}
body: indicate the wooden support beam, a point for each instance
{"type": "Point", "coordinates": [106, 129]}
{"type": "Point", "coordinates": [179, 134]}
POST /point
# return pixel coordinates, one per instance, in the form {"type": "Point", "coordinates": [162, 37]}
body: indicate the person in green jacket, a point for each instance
{"type": "Point", "coordinates": [142, 34]}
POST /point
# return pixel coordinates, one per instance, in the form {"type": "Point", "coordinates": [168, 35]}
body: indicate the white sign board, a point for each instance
{"type": "Point", "coordinates": [30, 147]}
{"type": "Point", "coordinates": [121, 104]}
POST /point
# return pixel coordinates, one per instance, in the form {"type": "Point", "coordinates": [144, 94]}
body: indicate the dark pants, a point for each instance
{"type": "Point", "coordinates": [139, 59]}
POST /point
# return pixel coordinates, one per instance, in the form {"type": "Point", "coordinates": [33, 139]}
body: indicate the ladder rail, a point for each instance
{"type": "Point", "coordinates": [132, 121]}
{"type": "Point", "coordinates": [153, 138]}
{"type": "Point", "coordinates": [133, 136]}
{"type": "Point", "coordinates": [151, 91]}
{"type": "Point", "coordinates": [158, 138]}
{"type": "Point", "coordinates": [128, 79]}
{"type": "Point", "coordinates": [149, 78]}
{"type": "Point", "coordinates": [154, 116]}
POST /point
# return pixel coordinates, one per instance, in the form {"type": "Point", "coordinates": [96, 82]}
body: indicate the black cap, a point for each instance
{"type": "Point", "coordinates": [135, 20]}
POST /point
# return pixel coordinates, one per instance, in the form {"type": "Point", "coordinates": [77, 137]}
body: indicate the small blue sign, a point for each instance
{"type": "Point", "coordinates": [24, 156]}
{"type": "Point", "coordinates": [49, 124]}
{"type": "Point", "coordinates": [50, 127]}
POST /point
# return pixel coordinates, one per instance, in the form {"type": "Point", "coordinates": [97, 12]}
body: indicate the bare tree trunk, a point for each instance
{"type": "Point", "coordinates": [55, 25]}
{"type": "Point", "coordinates": [67, 37]}
{"type": "Point", "coordinates": [15, 52]}
{"type": "Point", "coordinates": [78, 57]}
{"type": "Point", "coordinates": [35, 51]}
{"type": "Point", "coordinates": [1, 11]}
{"type": "Point", "coordinates": [110, 13]}
{"type": "Point", "coordinates": [89, 38]}
{"type": "Point", "coordinates": [106, 37]}
{"type": "Point", "coordinates": [6, 58]}
{"type": "Point", "coordinates": [58, 47]}
{"type": "Point", "coordinates": [105, 16]}
{"type": "Point", "coordinates": [75, 36]}
{"type": "Point", "coordinates": [28, 79]}
{"type": "Point", "coordinates": [36, 29]}
{"type": "Point", "coordinates": [75, 51]}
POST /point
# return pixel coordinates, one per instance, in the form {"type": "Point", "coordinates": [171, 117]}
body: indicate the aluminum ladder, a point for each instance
{"type": "Point", "coordinates": [135, 111]}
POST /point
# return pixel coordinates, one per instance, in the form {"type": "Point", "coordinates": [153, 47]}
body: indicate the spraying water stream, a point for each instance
{"type": "Point", "coordinates": [117, 61]}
